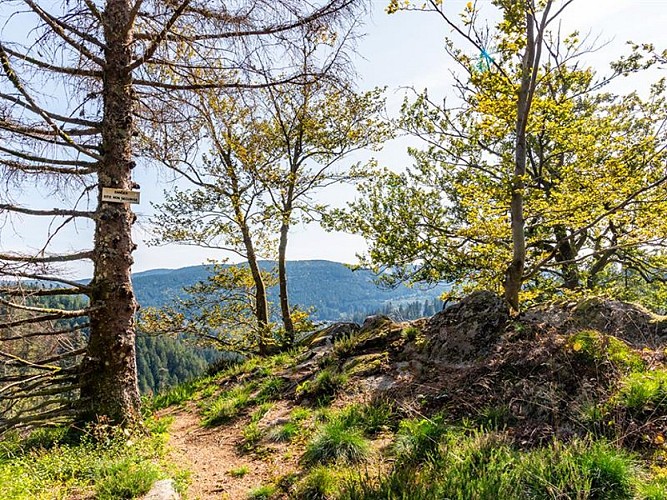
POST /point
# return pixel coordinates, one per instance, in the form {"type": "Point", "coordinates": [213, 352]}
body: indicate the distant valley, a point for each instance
{"type": "Point", "coordinates": [334, 291]}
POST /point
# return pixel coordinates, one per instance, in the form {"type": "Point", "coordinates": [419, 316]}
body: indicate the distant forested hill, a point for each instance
{"type": "Point", "coordinates": [332, 289]}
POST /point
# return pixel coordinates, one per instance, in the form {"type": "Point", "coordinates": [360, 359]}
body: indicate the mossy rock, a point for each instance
{"type": "Point", "coordinates": [591, 345]}
{"type": "Point", "coordinates": [330, 334]}
{"type": "Point", "coordinates": [367, 364]}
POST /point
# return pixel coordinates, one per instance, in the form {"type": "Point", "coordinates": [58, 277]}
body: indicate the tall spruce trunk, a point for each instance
{"type": "Point", "coordinates": [109, 375]}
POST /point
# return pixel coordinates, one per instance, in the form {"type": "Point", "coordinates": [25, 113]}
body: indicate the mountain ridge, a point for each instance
{"type": "Point", "coordinates": [331, 288]}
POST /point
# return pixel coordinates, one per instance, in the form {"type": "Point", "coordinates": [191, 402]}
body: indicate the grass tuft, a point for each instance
{"type": "Point", "coordinates": [336, 442]}
{"type": "Point", "coordinates": [323, 387]}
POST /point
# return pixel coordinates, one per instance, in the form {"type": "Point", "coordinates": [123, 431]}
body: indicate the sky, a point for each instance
{"type": "Point", "coordinates": [398, 51]}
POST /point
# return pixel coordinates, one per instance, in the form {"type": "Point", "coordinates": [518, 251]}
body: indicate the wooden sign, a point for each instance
{"type": "Point", "coordinates": [114, 195]}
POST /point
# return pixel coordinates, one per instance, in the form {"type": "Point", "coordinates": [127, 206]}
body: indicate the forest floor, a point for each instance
{"type": "Point", "coordinates": [219, 469]}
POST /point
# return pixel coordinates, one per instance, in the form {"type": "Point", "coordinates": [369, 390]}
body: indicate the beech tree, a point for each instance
{"type": "Point", "coordinates": [77, 90]}
{"type": "Point", "coordinates": [537, 177]}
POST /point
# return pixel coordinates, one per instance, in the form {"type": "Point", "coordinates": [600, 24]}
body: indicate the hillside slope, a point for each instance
{"type": "Point", "coordinates": [332, 289]}
{"type": "Point", "coordinates": [569, 401]}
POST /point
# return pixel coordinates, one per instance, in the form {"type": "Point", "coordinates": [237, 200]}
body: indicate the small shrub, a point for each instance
{"type": "Point", "coordinates": [252, 435]}
{"type": "Point", "coordinates": [345, 345]}
{"type": "Point", "coordinates": [410, 333]}
{"type": "Point", "coordinates": [336, 442]}
{"type": "Point", "coordinates": [127, 479]}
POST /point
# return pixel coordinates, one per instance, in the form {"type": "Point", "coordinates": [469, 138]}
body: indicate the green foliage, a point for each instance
{"type": "Point", "coordinates": [299, 414]}
{"type": "Point", "coordinates": [371, 418]}
{"type": "Point", "coordinates": [286, 432]}
{"type": "Point", "coordinates": [644, 391]}
{"type": "Point", "coordinates": [495, 418]}
{"type": "Point", "coordinates": [348, 295]}
{"type": "Point", "coordinates": [163, 362]}
{"type": "Point", "coordinates": [337, 442]}
{"type": "Point", "coordinates": [261, 410]}
{"type": "Point", "coordinates": [270, 389]}
{"type": "Point", "coordinates": [239, 472]}
{"type": "Point", "coordinates": [345, 345]}
{"type": "Point", "coordinates": [56, 464]}
{"type": "Point", "coordinates": [321, 483]}
{"type": "Point", "coordinates": [599, 348]}
{"type": "Point", "coordinates": [410, 333]}
{"type": "Point", "coordinates": [592, 186]}
{"type": "Point", "coordinates": [126, 479]}
{"type": "Point", "coordinates": [323, 387]}
{"type": "Point", "coordinates": [180, 394]}
{"type": "Point", "coordinates": [218, 312]}
{"type": "Point", "coordinates": [251, 435]}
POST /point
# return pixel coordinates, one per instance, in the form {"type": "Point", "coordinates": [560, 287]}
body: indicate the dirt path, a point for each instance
{"type": "Point", "coordinates": [211, 456]}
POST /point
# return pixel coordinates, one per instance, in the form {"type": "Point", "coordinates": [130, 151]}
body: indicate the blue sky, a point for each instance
{"type": "Point", "coordinates": [400, 50]}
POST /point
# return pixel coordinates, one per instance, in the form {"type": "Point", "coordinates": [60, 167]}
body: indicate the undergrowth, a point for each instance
{"type": "Point", "coordinates": [103, 461]}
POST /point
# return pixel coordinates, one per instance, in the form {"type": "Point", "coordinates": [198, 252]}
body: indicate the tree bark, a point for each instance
{"type": "Point", "coordinates": [282, 284]}
{"type": "Point", "coordinates": [109, 373]}
{"type": "Point", "coordinates": [566, 255]}
{"type": "Point", "coordinates": [514, 272]}
{"type": "Point", "coordinates": [261, 302]}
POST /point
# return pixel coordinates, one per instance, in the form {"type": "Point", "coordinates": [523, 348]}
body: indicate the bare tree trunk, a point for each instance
{"type": "Point", "coordinates": [282, 284]}
{"type": "Point", "coordinates": [531, 58]}
{"type": "Point", "coordinates": [514, 273]}
{"type": "Point", "coordinates": [109, 375]}
{"type": "Point", "coordinates": [261, 302]}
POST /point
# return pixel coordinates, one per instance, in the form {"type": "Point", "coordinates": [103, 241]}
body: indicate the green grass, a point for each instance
{"type": "Point", "coordinates": [485, 466]}
{"type": "Point", "coordinates": [345, 345]}
{"type": "Point", "coordinates": [337, 442]}
{"type": "Point", "coordinates": [418, 440]}
{"type": "Point", "coordinates": [261, 411]}
{"type": "Point", "coordinates": [53, 464]}
{"type": "Point", "coordinates": [180, 394]}
{"type": "Point", "coordinates": [270, 389]}
{"type": "Point", "coordinates": [239, 471]}
{"type": "Point", "coordinates": [251, 436]}
{"type": "Point", "coordinates": [264, 492]}
{"type": "Point", "coordinates": [321, 483]}
{"type": "Point", "coordinates": [371, 418]}
{"type": "Point", "coordinates": [286, 432]}
{"type": "Point", "coordinates": [644, 391]}
{"type": "Point", "coordinates": [228, 405]}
